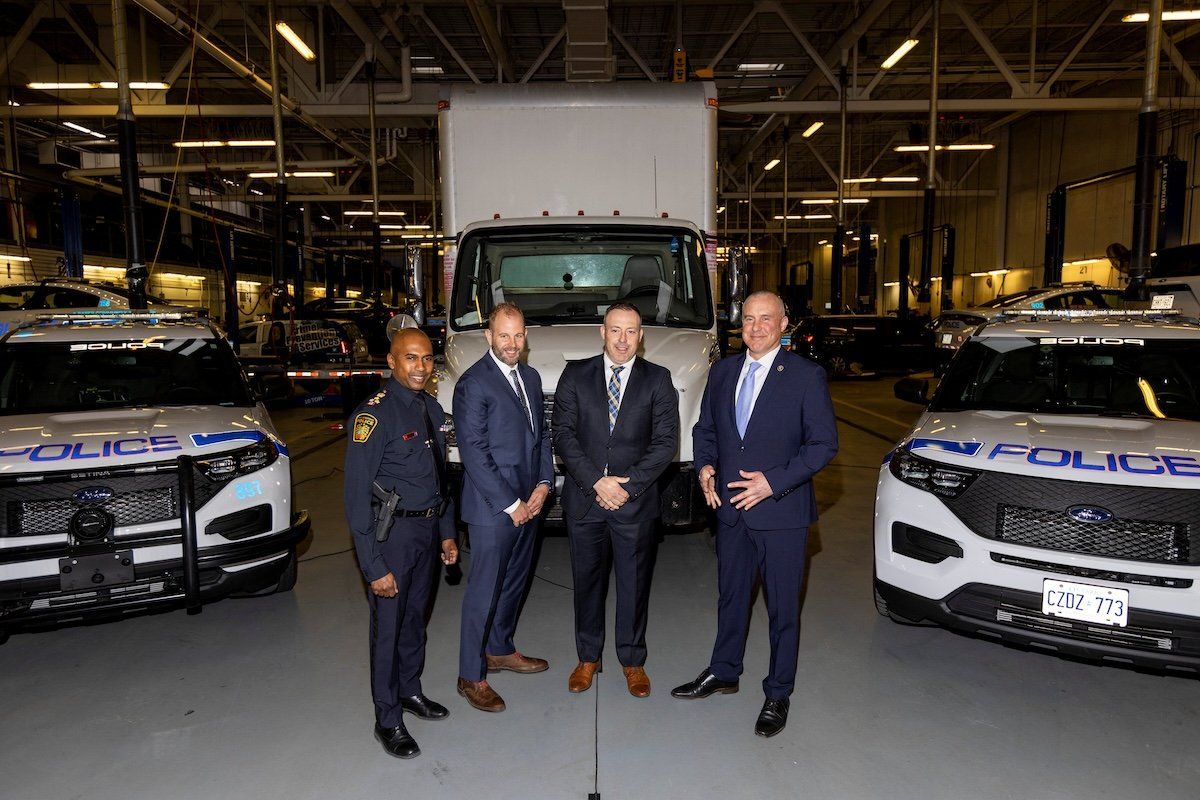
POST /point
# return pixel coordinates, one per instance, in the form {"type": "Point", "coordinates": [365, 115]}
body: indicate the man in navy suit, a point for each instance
{"type": "Point", "coordinates": [505, 450]}
{"type": "Point", "coordinates": [616, 428]}
{"type": "Point", "coordinates": [766, 428]}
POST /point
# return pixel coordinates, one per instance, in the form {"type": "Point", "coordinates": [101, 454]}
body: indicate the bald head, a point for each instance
{"type": "Point", "coordinates": [764, 319]}
{"type": "Point", "coordinates": [411, 358]}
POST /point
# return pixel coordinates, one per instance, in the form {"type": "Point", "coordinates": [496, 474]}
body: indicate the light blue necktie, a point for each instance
{"type": "Point", "coordinates": [745, 399]}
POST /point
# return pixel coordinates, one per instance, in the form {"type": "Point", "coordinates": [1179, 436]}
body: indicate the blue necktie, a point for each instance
{"type": "Point", "coordinates": [614, 397]}
{"type": "Point", "coordinates": [745, 400]}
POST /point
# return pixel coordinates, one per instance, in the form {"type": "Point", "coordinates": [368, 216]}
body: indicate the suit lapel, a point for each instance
{"type": "Point", "coordinates": [729, 395]}
{"type": "Point", "coordinates": [507, 386]}
{"type": "Point", "coordinates": [638, 386]}
{"type": "Point", "coordinates": [771, 380]}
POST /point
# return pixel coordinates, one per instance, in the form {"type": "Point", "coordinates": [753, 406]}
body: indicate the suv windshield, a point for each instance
{"type": "Point", "coordinates": [49, 377]}
{"type": "Point", "coordinates": [1147, 378]}
{"type": "Point", "coordinates": [574, 275]}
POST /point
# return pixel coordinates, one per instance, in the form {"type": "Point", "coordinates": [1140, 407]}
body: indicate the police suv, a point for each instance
{"type": "Point", "coordinates": [1050, 493]}
{"type": "Point", "coordinates": [137, 471]}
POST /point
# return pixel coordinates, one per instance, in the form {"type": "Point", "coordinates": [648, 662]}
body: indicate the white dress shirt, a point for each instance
{"type": "Point", "coordinates": [760, 377]}
{"type": "Point", "coordinates": [623, 378]}
{"type": "Point", "coordinates": [507, 370]}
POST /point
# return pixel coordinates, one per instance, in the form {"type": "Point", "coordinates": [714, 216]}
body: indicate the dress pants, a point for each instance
{"type": "Point", "coordinates": [499, 575]}
{"type": "Point", "coordinates": [398, 623]}
{"type": "Point", "coordinates": [597, 542]}
{"type": "Point", "coordinates": [778, 556]}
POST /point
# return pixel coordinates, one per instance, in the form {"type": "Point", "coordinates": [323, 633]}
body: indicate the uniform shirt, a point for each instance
{"type": "Point", "coordinates": [388, 445]}
{"type": "Point", "coordinates": [760, 377]}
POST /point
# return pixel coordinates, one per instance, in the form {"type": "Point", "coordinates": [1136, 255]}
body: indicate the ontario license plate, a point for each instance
{"type": "Point", "coordinates": [1086, 603]}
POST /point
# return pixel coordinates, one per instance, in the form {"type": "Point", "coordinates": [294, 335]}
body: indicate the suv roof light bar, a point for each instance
{"type": "Point", "coordinates": [1093, 313]}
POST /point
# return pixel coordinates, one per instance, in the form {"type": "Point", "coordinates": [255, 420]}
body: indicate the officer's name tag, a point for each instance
{"type": "Point", "coordinates": [410, 435]}
{"type": "Point", "coordinates": [363, 425]}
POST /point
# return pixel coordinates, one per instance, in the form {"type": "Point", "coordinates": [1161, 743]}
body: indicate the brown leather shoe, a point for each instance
{"type": "Point", "coordinates": [638, 682]}
{"type": "Point", "coordinates": [515, 662]}
{"type": "Point", "coordinates": [480, 695]}
{"type": "Point", "coordinates": [581, 676]}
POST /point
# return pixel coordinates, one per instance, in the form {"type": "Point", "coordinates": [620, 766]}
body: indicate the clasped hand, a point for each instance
{"type": "Point", "coordinates": [528, 509]}
{"type": "Point", "coordinates": [755, 488]}
{"type": "Point", "coordinates": [610, 494]}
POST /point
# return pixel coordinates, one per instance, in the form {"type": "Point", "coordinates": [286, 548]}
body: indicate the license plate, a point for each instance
{"type": "Point", "coordinates": [93, 572]}
{"type": "Point", "coordinates": [947, 338]}
{"type": "Point", "coordinates": [1086, 603]}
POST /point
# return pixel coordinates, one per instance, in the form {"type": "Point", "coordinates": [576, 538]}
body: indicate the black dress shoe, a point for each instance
{"type": "Point", "coordinates": [704, 685]}
{"type": "Point", "coordinates": [396, 742]}
{"type": "Point", "coordinates": [422, 707]}
{"type": "Point", "coordinates": [772, 718]}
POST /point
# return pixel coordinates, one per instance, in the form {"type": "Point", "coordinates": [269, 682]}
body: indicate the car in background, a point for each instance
{"type": "Point", "coordinates": [953, 327]}
{"type": "Point", "coordinates": [371, 316]}
{"type": "Point", "coordinates": [21, 302]}
{"type": "Point", "coordinates": [303, 342]}
{"type": "Point", "coordinates": [141, 471]}
{"type": "Point", "coordinates": [850, 345]}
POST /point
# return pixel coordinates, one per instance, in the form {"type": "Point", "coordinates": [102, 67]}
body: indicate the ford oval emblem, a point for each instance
{"type": "Point", "coordinates": [1089, 514]}
{"type": "Point", "coordinates": [93, 495]}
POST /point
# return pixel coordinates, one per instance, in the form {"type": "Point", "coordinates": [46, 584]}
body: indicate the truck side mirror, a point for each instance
{"type": "Point", "coordinates": [912, 390]}
{"type": "Point", "coordinates": [735, 285]}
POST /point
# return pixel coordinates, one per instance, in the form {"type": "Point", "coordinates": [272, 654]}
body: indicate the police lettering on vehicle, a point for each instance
{"type": "Point", "coordinates": [116, 346]}
{"type": "Point", "coordinates": [59, 451]}
{"type": "Point", "coordinates": [1090, 340]}
{"type": "Point", "coordinates": [1059, 458]}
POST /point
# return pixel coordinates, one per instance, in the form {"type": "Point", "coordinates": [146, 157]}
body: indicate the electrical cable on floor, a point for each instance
{"type": "Point", "coordinates": [595, 793]}
{"type": "Point", "coordinates": [317, 477]}
{"type": "Point", "coordinates": [554, 583]}
{"type": "Point", "coordinates": [327, 555]}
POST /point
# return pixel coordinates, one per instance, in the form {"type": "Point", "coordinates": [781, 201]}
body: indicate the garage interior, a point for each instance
{"type": "Point", "coordinates": [1065, 137]}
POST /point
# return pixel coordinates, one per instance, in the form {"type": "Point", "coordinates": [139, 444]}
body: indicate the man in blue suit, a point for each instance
{"type": "Point", "coordinates": [505, 448]}
{"type": "Point", "coordinates": [766, 428]}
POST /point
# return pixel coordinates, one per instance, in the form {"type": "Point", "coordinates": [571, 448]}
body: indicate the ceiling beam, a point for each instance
{"type": "Point", "coordinates": [19, 38]}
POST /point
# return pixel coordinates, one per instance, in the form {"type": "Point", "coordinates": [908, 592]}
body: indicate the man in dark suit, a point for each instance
{"type": "Point", "coordinates": [766, 428]}
{"type": "Point", "coordinates": [505, 450]}
{"type": "Point", "coordinates": [616, 428]}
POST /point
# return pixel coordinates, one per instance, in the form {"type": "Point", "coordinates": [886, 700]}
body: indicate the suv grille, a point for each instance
{"type": "Point", "coordinates": [128, 508]}
{"type": "Point", "coordinates": [1135, 540]}
{"type": "Point", "coordinates": [1148, 524]}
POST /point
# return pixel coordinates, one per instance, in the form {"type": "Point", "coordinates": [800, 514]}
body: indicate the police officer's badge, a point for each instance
{"type": "Point", "coordinates": [363, 425]}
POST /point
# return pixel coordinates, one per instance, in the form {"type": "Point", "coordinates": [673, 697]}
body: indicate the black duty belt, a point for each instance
{"type": "Point", "coordinates": [434, 511]}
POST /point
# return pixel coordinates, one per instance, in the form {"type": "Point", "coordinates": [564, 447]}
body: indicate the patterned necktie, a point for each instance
{"type": "Point", "coordinates": [745, 399]}
{"type": "Point", "coordinates": [614, 397]}
{"type": "Point", "coordinates": [521, 396]}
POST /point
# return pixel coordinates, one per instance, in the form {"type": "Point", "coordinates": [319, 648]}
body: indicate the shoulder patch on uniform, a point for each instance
{"type": "Point", "coordinates": [363, 425]}
{"type": "Point", "coordinates": [374, 401]}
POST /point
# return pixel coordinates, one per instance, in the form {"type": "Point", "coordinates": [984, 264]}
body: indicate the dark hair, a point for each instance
{"type": "Point", "coordinates": [505, 308]}
{"type": "Point", "coordinates": [622, 306]}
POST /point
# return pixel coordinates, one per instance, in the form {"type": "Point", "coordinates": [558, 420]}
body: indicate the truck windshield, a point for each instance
{"type": "Point", "coordinates": [574, 275]}
{"type": "Point", "coordinates": [1127, 377]}
{"type": "Point", "coordinates": [48, 377]}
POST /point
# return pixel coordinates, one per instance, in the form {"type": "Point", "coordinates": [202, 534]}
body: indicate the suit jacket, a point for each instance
{"type": "Point", "coordinates": [790, 437]}
{"type": "Point", "coordinates": [643, 441]}
{"type": "Point", "coordinates": [504, 459]}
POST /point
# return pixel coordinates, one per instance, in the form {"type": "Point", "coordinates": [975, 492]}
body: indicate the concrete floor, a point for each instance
{"type": "Point", "coordinates": [268, 697]}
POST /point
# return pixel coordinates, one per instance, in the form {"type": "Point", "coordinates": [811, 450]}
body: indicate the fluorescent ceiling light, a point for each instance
{"type": "Point", "coordinates": [326, 218]}
{"type": "Point", "coordinates": [7, 257]}
{"type": "Point", "coordinates": [770, 165]}
{"type": "Point", "coordinates": [721, 210]}
{"type": "Point", "coordinates": [859, 180]}
{"type": "Point", "coordinates": [823, 241]}
{"type": "Point", "coordinates": [75, 126]}
{"type": "Point", "coordinates": [324, 173]}
{"type": "Point", "coordinates": [819, 201]}
{"type": "Point", "coordinates": [900, 179]}
{"type": "Point", "coordinates": [417, 227]}
{"type": "Point", "coordinates": [856, 201]}
{"type": "Point", "coordinates": [924, 148]}
{"type": "Point", "coordinates": [811, 129]}
{"type": "Point", "coordinates": [369, 213]}
{"type": "Point", "coordinates": [136, 85]}
{"type": "Point", "coordinates": [52, 85]}
{"type": "Point", "coordinates": [257, 192]}
{"type": "Point", "coordinates": [251, 143]}
{"type": "Point", "coordinates": [890, 284]}
{"type": "Point", "coordinates": [1168, 16]}
{"type": "Point", "coordinates": [66, 85]}
{"type": "Point", "coordinates": [434, 70]}
{"type": "Point", "coordinates": [755, 67]}
{"type": "Point", "coordinates": [293, 38]}
{"type": "Point", "coordinates": [789, 216]}
{"type": "Point", "coordinates": [818, 216]}
{"type": "Point", "coordinates": [413, 235]}
{"type": "Point", "coordinates": [198, 143]}
{"type": "Point", "coordinates": [900, 53]}
{"type": "Point", "coordinates": [989, 272]}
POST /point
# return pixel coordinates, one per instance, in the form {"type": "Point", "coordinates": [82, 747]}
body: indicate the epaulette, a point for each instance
{"type": "Point", "coordinates": [374, 401]}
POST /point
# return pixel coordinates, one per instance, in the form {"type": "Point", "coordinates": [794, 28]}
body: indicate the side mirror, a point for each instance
{"type": "Point", "coordinates": [912, 390]}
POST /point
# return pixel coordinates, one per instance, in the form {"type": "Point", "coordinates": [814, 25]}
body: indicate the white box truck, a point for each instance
{"type": "Point", "coordinates": [565, 199]}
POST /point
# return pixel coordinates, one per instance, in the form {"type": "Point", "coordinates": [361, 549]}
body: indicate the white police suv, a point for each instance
{"type": "Point", "coordinates": [137, 471]}
{"type": "Point", "coordinates": [1050, 493]}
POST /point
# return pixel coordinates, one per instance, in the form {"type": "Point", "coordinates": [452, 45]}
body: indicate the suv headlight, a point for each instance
{"type": "Point", "coordinates": [930, 476]}
{"type": "Point", "coordinates": [227, 466]}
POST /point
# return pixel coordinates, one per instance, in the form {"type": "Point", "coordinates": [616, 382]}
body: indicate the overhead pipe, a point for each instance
{"type": "Point", "coordinates": [930, 198]}
{"type": "Point", "coordinates": [278, 269]}
{"type": "Point", "coordinates": [1147, 135]}
{"type": "Point", "coordinates": [136, 273]}
{"type": "Point", "coordinates": [837, 259]}
{"type": "Point", "coordinates": [182, 25]}
{"type": "Point", "coordinates": [215, 166]}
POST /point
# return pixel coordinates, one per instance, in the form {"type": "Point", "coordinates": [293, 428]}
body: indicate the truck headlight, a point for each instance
{"type": "Point", "coordinates": [930, 476]}
{"type": "Point", "coordinates": [226, 466]}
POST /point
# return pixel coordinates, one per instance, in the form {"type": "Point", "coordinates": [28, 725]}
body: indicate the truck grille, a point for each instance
{"type": "Point", "coordinates": [1150, 525]}
{"type": "Point", "coordinates": [31, 518]}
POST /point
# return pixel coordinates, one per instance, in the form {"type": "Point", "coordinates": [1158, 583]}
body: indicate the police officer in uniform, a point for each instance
{"type": "Point", "coordinates": [399, 512]}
